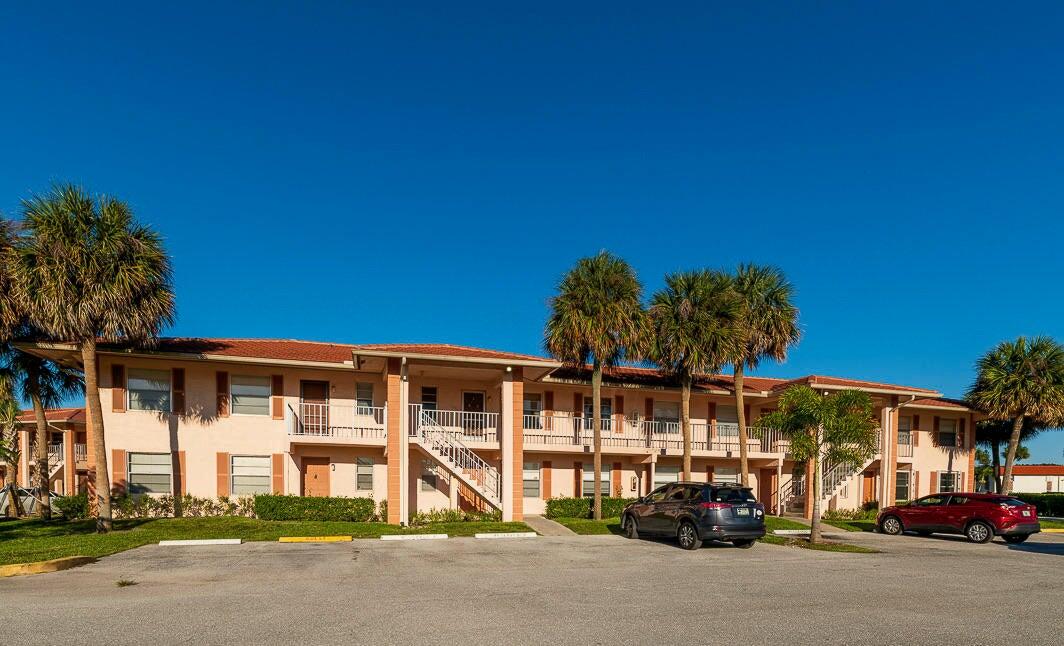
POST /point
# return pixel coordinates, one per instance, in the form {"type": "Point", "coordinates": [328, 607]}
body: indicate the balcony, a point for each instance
{"type": "Point", "coordinates": [905, 444]}
{"type": "Point", "coordinates": [324, 423]}
{"type": "Point", "coordinates": [465, 426]}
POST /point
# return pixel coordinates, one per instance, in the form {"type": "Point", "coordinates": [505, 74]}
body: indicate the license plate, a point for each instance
{"type": "Point", "coordinates": [742, 511]}
{"type": "Point", "coordinates": [1026, 513]}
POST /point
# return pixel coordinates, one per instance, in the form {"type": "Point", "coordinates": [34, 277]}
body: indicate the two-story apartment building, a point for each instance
{"type": "Point", "coordinates": [426, 426]}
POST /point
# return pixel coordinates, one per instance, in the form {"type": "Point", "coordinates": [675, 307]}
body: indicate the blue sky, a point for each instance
{"type": "Point", "coordinates": [427, 172]}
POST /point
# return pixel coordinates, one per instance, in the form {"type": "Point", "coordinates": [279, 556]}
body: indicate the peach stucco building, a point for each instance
{"type": "Point", "coordinates": [426, 426]}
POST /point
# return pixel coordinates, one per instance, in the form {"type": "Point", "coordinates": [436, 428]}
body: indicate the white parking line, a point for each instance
{"type": "Point", "coordinates": [412, 537]}
{"type": "Point", "coordinates": [204, 541]}
{"type": "Point", "coordinates": [506, 535]}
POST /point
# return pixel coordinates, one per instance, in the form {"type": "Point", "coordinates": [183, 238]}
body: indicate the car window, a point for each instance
{"type": "Point", "coordinates": [930, 501]}
{"type": "Point", "coordinates": [658, 494]}
{"type": "Point", "coordinates": [1009, 502]}
{"type": "Point", "coordinates": [679, 493]}
{"type": "Point", "coordinates": [957, 500]}
{"type": "Point", "coordinates": [733, 494]}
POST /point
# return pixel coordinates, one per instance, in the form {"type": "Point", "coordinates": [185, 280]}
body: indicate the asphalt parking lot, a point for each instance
{"type": "Point", "coordinates": [586, 590]}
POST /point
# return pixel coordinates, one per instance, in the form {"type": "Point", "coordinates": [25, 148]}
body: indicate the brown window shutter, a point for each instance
{"type": "Point", "coordinates": [916, 485]}
{"type": "Point", "coordinates": [618, 404]}
{"type": "Point", "coordinates": [180, 486]}
{"type": "Point", "coordinates": [177, 381]}
{"type": "Point", "coordinates": [709, 473]}
{"type": "Point", "coordinates": [916, 437]}
{"type": "Point", "coordinates": [712, 412]}
{"type": "Point", "coordinates": [617, 489]}
{"type": "Point", "coordinates": [548, 401]}
{"type": "Point", "coordinates": [223, 475]}
{"type": "Point", "coordinates": [578, 404]}
{"type": "Point", "coordinates": [118, 471]}
{"type": "Point", "coordinates": [278, 473]}
{"type": "Point", "coordinates": [746, 413]}
{"type": "Point", "coordinates": [277, 396]}
{"type": "Point", "coordinates": [916, 422]}
{"type": "Point", "coordinates": [544, 488]}
{"type": "Point", "coordinates": [222, 388]}
{"type": "Point", "coordinates": [934, 433]}
{"type": "Point", "coordinates": [578, 476]}
{"type": "Point", "coordinates": [118, 388]}
{"type": "Point", "coordinates": [934, 482]}
{"type": "Point", "coordinates": [648, 408]}
{"type": "Point", "coordinates": [960, 433]}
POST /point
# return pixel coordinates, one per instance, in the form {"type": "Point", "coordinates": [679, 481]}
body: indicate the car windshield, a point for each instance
{"type": "Point", "coordinates": [732, 494]}
{"type": "Point", "coordinates": [1010, 502]}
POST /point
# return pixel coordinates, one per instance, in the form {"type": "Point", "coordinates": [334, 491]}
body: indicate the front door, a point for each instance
{"type": "Point", "coordinates": [316, 477]}
{"type": "Point", "coordinates": [472, 407]}
{"type": "Point", "coordinates": [869, 487]}
{"type": "Point", "coordinates": [314, 402]}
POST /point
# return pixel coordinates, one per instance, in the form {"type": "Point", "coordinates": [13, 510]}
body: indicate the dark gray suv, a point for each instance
{"type": "Point", "coordinates": [697, 511]}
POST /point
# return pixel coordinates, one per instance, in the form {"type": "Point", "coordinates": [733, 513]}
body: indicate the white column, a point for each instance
{"type": "Point", "coordinates": [506, 443]}
{"type": "Point", "coordinates": [885, 451]}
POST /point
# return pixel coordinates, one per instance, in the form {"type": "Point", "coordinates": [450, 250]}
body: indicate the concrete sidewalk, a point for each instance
{"type": "Point", "coordinates": [547, 527]}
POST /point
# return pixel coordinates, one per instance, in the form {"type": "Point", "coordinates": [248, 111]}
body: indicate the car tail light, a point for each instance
{"type": "Point", "coordinates": [715, 505]}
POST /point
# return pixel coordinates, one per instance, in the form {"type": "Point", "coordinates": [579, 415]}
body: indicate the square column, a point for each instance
{"type": "Point", "coordinates": [888, 447]}
{"type": "Point", "coordinates": [24, 479]}
{"type": "Point", "coordinates": [70, 466]}
{"type": "Point", "coordinates": [511, 440]}
{"type": "Point", "coordinates": [397, 442]}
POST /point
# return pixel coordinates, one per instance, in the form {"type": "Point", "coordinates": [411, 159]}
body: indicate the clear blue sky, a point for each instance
{"type": "Point", "coordinates": [373, 173]}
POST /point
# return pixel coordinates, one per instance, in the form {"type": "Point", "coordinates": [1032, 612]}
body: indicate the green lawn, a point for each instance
{"type": "Point", "coordinates": [1052, 524]}
{"type": "Point", "coordinates": [586, 526]}
{"type": "Point", "coordinates": [25, 541]}
{"type": "Point", "coordinates": [852, 525]}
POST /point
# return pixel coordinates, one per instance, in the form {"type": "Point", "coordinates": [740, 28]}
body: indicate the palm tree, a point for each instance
{"type": "Point", "coordinates": [45, 385]}
{"type": "Point", "coordinates": [769, 322]}
{"type": "Point", "coordinates": [692, 329]}
{"type": "Point", "coordinates": [10, 312]}
{"type": "Point", "coordinates": [88, 272]}
{"type": "Point", "coordinates": [596, 314]}
{"type": "Point", "coordinates": [838, 428]}
{"type": "Point", "coordinates": [9, 450]}
{"type": "Point", "coordinates": [1017, 380]}
{"type": "Point", "coordinates": [993, 433]}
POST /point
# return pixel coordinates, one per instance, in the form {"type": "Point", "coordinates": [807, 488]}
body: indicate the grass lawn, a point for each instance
{"type": "Point", "coordinates": [1052, 524]}
{"type": "Point", "coordinates": [25, 541]}
{"type": "Point", "coordinates": [852, 525]}
{"type": "Point", "coordinates": [586, 526]}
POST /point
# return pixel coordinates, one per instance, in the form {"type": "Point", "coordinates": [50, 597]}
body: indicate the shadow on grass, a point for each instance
{"type": "Point", "coordinates": [34, 528]}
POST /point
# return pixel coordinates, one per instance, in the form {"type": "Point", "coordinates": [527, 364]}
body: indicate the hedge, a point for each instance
{"type": "Point", "coordinates": [1048, 504]}
{"type": "Point", "coordinates": [358, 510]}
{"type": "Point", "coordinates": [581, 507]}
{"type": "Point", "coordinates": [73, 507]}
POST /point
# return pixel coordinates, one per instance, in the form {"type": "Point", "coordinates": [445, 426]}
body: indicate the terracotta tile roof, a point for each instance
{"type": "Point", "coordinates": [448, 350]}
{"type": "Point", "coordinates": [944, 402]}
{"type": "Point", "coordinates": [1037, 470]}
{"type": "Point", "coordinates": [820, 380]}
{"type": "Point", "coordinates": [57, 415]}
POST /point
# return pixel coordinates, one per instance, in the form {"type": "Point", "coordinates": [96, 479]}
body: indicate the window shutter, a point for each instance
{"type": "Point", "coordinates": [277, 473]}
{"type": "Point", "coordinates": [916, 436]}
{"type": "Point", "coordinates": [223, 474]}
{"type": "Point", "coordinates": [709, 473]}
{"type": "Point", "coordinates": [916, 422]}
{"type": "Point", "coordinates": [618, 491]}
{"type": "Point", "coordinates": [180, 487]}
{"type": "Point", "coordinates": [177, 380]}
{"type": "Point", "coordinates": [618, 413]}
{"type": "Point", "coordinates": [548, 401]}
{"type": "Point", "coordinates": [934, 482]}
{"type": "Point", "coordinates": [544, 489]}
{"type": "Point", "coordinates": [960, 433]}
{"type": "Point", "coordinates": [118, 388]}
{"type": "Point", "coordinates": [746, 413]}
{"type": "Point", "coordinates": [916, 485]}
{"type": "Point", "coordinates": [118, 471]}
{"type": "Point", "coordinates": [648, 408]}
{"type": "Point", "coordinates": [578, 475]}
{"type": "Point", "coordinates": [277, 396]}
{"type": "Point", "coordinates": [578, 404]}
{"type": "Point", "coordinates": [222, 388]}
{"type": "Point", "coordinates": [934, 437]}
{"type": "Point", "coordinates": [712, 412]}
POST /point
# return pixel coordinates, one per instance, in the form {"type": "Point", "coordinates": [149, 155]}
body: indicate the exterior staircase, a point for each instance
{"type": "Point", "coordinates": [471, 469]}
{"type": "Point", "coordinates": [833, 477]}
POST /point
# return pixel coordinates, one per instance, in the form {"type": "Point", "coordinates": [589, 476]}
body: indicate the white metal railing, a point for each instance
{"type": "Point", "coordinates": [81, 452]}
{"type": "Point", "coordinates": [55, 454]}
{"type": "Point", "coordinates": [347, 421]}
{"type": "Point", "coordinates": [446, 447]}
{"type": "Point", "coordinates": [466, 425]}
{"type": "Point", "coordinates": [575, 430]}
{"type": "Point", "coordinates": [905, 445]}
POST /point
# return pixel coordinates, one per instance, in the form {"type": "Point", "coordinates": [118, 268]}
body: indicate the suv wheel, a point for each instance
{"type": "Point", "coordinates": [745, 543]}
{"type": "Point", "coordinates": [688, 536]}
{"type": "Point", "coordinates": [630, 529]}
{"type": "Point", "coordinates": [1016, 538]}
{"type": "Point", "coordinates": [891, 525]}
{"type": "Point", "coordinates": [979, 532]}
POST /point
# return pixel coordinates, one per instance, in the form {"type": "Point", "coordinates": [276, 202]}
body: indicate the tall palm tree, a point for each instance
{"type": "Point", "coordinates": [9, 450]}
{"type": "Point", "coordinates": [1020, 379]}
{"type": "Point", "coordinates": [88, 272]}
{"type": "Point", "coordinates": [597, 314]}
{"type": "Point", "coordinates": [838, 428]}
{"type": "Point", "coordinates": [45, 385]}
{"type": "Point", "coordinates": [992, 433]}
{"type": "Point", "coordinates": [10, 312]}
{"type": "Point", "coordinates": [769, 322]}
{"type": "Point", "coordinates": [692, 329]}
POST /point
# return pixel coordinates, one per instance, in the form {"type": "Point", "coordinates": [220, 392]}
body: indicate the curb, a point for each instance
{"type": "Point", "coordinates": [314, 539]}
{"type": "Point", "coordinates": [202, 541]}
{"type": "Point", "coordinates": [1053, 531]}
{"type": "Point", "coordinates": [506, 535]}
{"type": "Point", "coordinates": [791, 532]}
{"type": "Point", "coordinates": [413, 537]}
{"type": "Point", "coordinates": [43, 567]}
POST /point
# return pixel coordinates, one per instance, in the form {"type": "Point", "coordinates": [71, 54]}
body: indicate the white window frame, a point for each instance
{"type": "Point", "coordinates": [941, 432]}
{"type": "Point", "coordinates": [665, 469]}
{"type": "Point", "coordinates": [170, 397]}
{"type": "Point", "coordinates": [169, 462]}
{"type": "Point", "coordinates": [435, 403]}
{"type": "Point", "coordinates": [908, 484]}
{"type": "Point", "coordinates": [533, 469]}
{"type": "Point", "coordinates": [359, 401]}
{"type": "Point", "coordinates": [269, 395]}
{"type": "Point", "coordinates": [362, 463]}
{"type": "Point", "coordinates": [426, 469]}
{"type": "Point", "coordinates": [587, 484]}
{"type": "Point", "coordinates": [233, 474]}
{"type": "Point", "coordinates": [956, 481]}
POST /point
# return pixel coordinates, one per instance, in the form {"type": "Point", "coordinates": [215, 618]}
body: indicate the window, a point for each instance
{"type": "Point", "coordinates": [532, 409]}
{"type": "Point", "coordinates": [149, 389]}
{"type": "Point", "coordinates": [605, 410]}
{"type": "Point", "coordinates": [957, 500]}
{"type": "Point", "coordinates": [250, 474]}
{"type": "Point", "coordinates": [149, 473]}
{"type": "Point", "coordinates": [683, 493]}
{"type": "Point", "coordinates": [251, 395]}
{"type": "Point", "coordinates": [948, 481]}
{"type": "Point", "coordinates": [901, 485]}
{"type": "Point", "coordinates": [428, 477]}
{"type": "Point", "coordinates": [531, 479]}
{"type": "Point", "coordinates": [665, 475]}
{"type": "Point", "coordinates": [658, 494]}
{"type": "Point", "coordinates": [733, 495]}
{"type": "Point", "coordinates": [726, 474]}
{"type": "Point", "coordinates": [930, 501]}
{"type": "Point", "coordinates": [667, 416]}
{"type": "Point", "coordinates": [947, 432]}
{"type": "Point", "coordinates": [428, 398]}
{"type": "Point", "coordinates": [364, 474]}
{"type": "Point", "coordinates": [363, 396]}
{"type": "Point", "coordinates": [905, 429]}
{"type": "Point", "coordinates": [588, 484]}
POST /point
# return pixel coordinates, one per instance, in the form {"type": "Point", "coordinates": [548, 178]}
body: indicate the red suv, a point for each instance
{"type": "Point", "coordinates": [979, 516]}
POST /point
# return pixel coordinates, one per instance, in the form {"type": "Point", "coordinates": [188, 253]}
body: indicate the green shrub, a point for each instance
{"type": "Point", "coordinates": [453, 516]}
{"type": "Point", "coordinates": [73, 507]}
{"type": "Point", "coordinates": [581, 507]}
{"type": "Point", "coordinates": [382, 512]}
{"type": "Point", "coordinates": [270, 507]}
{"type": "Point", "coordinates": [865, 513]}
{"type": "Point", "coordinates": [144, 506]}
{"type": "Point", "coordinates": [1047, 504]}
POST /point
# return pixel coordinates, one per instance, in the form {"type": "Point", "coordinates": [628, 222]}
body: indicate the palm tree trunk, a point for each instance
{"type": "Point", "coordinates": [596, 425]}
{"type": "Point", "coordinates": [14, 506]}
{"type": "Point", "coordinates": [101, 477]}
{"type": "Point", "coordinates": [996, 462]}
{"type": "Point", "coordinates": [44, 508]}
{"type": "Point", "coordinates": [740, 411]}
{"type": "Point", "coordinates": [1010, 456]}
{"type": "Point", "coordinates": [685, 423]}
{"type": "Point", "coordinates": [814, 525]}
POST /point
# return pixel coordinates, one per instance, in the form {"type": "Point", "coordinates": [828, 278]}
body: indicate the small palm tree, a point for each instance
{"type": "Point", "coordinates": [769, 322]}
{"type": "Point", "coordinates": [1017, 380]}
{"type": "Point", "coordinates": [596, 315]}
{"type": "Point", "coordinates": [88, 272]}
{"type": "Point", "coordinates": [9, 450]}
{"type": "Point", "coordinates": [692, 329]}
{"type": "Point", "coordinates": [838, 428]}
{"type": "Point", "coordinates": [45, 385]}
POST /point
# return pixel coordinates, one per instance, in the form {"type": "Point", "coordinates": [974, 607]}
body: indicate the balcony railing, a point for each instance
{"type": "Point", "coordinates": [342, 421]}
{"type": "Point", "coordinates": [905, 445]}
{"type": "Point", "coordinates": [466, 426]}
{"type": "Point", "coordinates": [81, 452]}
